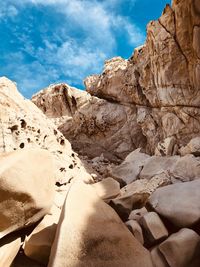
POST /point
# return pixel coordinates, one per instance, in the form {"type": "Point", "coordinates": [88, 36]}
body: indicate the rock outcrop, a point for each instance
{"type": "Point", "coordinates": [23, 125]}
{"type": "Point", "coordinates": [91, 124]}
{"type": "Point", "coordinates": [141, 101]}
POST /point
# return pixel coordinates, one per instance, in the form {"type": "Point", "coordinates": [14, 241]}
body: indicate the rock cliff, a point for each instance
{"type": "Point", "coordinates": [155, 93]}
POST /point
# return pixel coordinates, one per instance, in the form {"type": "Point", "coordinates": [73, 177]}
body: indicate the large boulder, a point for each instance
{"type": "Point", "coordinates": [182, 249]}
{"type": "Point", "coordinates": [9, 247]}
{"type": "Point", "coordinates": [37, 245]}
{"type": "Point", "coordinates": [90, 233]}
{"type": "Point", "coordinates": [26, 188]}
{"type": "Point", "coordinates": [178, 203]}
{"type": "Point", "coordinates": [157, 165]}
{"type": "Point", "coordinates": [129, 170]}
{"type": "Point", "coordinates": [23, 125]}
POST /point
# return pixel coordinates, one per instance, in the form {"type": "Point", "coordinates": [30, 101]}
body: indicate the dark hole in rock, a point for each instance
{"type": "Point", "coordinates": [38, 131]}
{"type": "Point", "coordinates": [13, 128]}
{"type": "Point", "coordinates": [71, 166]}
{"type": "Point", "coordinates": [73, 155]}
{"type": "Point", "coordinates": [14, 148]}
{"type": "Point", "coordinates": [45, 137]}
{"type": "Point", "coordinates": [55, 132]}
{"type": "Point", "coordinates": [59, 184]}
{"type": "Point", "coordinates": [22, 145]}
{"type": "Point", "coordinates": [62, 169]}
{"type": "Point", "coordinates": [62, 142]}
{"type": "Point", "coordinates": [60, 152]}
{"type": "Point", "coordinates": [23, 124]}
{"type": "Point", "coordinates": [37, 139]}
{"type": "Point", "coordinates": [29, 140]}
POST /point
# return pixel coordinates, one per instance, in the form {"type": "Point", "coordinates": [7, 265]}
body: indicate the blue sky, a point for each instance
{"type": "Point", "coordinates": [48, 41]}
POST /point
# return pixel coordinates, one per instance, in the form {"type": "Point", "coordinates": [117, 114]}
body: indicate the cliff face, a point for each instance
{"type": "Point", "coordinates": [153, 95]}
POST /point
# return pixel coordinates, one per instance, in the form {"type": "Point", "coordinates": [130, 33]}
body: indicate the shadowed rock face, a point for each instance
{"type": "Point", "coordinates": [156, 92]}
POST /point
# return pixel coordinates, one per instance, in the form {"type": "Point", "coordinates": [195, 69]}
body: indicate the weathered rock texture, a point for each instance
{"type": "Point", "coordinates": [91, 124]}
{"type": "Point", "coordinates": [141, 101]}
{"type": "Point", "coordinates": [23, 125]}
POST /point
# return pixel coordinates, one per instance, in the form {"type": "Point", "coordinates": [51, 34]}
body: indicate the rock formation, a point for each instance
{"type": "Point", "coordinates": [131, 196]}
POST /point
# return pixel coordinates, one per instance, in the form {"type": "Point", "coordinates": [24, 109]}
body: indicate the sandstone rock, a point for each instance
{"type": "Point", "coordinates": [167, 148]}
{"type": "Point", "coordinates": [193, 147]}
{"type": "Point", "coordinates": [137, 214]}
{"type": "Point", "coordinates": [178, 203]}
{"type": "Point", "coordinates": [26, 188]}
{"type": "Point", "coordinates": [95, 234]}
{"type": "Point", "coordinates": [130, 168]}
{"type": "Point", "coordinates": [135, 195]}
{"type": "Point", "coordinates": [107, 188]}
{"type": "Point", "coordinates": [9, 247]}
{"type": "Point", "coordinates": [158, 258]}
{"type": "Point", "coordinates": [157, 165]}
{"type": "Point", "coordinates": [136, 230]}
{"type": "Point", "coordinates": [182, 249]}
{"type": "Point", "coordinates": [38, 244]}
{"type": "Point", "coordinates": [94, 126]}
{"type": "Point", "coordinates": [185, 169]}
{"type": "Point", "coordinates": [154, 229]}
{"type": "Point", "coordinates": [23, 125]}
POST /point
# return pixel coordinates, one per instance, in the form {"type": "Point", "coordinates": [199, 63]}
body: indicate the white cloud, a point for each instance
{"type": "Point", "coordinates": [98, 21]}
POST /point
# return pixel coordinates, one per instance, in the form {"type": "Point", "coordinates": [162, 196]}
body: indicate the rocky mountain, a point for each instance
{"type": "Point", "coordinates": [126, 193]}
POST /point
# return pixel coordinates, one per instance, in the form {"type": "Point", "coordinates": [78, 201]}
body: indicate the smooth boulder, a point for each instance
{"type": "Point", "coordinates": [182, 249]}
{"type": "Point", "coordinates": [9, 247]}
{"type": "Point", "coordinates": [26, 188]}
{"type": "Point", "coordinates": [91, 234]}
{"type": "Point", "coordinates": [178, 203]}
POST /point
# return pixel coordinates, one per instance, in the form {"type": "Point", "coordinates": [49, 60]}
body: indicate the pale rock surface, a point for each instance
{"type": "Point", "coordinates": [178, 203]}
{"type": "Point", "coordinates": [107, 189]}
{"type": "Point", "coordinates": [137, 214]}
{"type": "Point", "coordinates": [94, 126]}
{"type": "Point", "coordinates": [129, 170]}
{"type": "Point", "coordinates": [166, 97]}
{"type": "Point", "coordinates": [154, 229]}
{"type": "Point", "coordinates": [158, 165]}
{"type": "Point", "coordinates": [26, 188]}
{"type": "Point", "coordinates": [23, 125]}
{"type": "Point", "coordinates": [37, 245]}
{"type": "Point", "coordinates": [9, 247]}
{"type": "Point", "coordinates": [158, 258]}
{"type": "Point", "coordinates": [167, 148]}
{"type": "Point", "coordinates": [185, 169]}
{"type": "Point", "coordinates": [193, 147]}
{"type": "Point", "coordinates": [182, 249]}
{"type": "Point", "coordinates": [135, 195]}
{"type": "Point", "coordinates": [93, 235]}
{"type": "Point", "coordinates": [136, 230]}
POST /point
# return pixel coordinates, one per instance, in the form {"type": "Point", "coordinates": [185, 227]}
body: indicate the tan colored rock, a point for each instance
{"type": "Point", "coordinates": [129, 170]}
{"type": "Point", "coordinates": [135, 195]}
{"type": "Point", "coordinates": [136, 230]}
{"type": "Point", "coordinates": [26, 188]}
{"type": "Point", "coordinates": [185, 169]}
{"type": "Point", "coordinates": [94, 126]}
{"type": "Point", "coordinates": [107, 189]}
{"type": "Point", "coordinates": [137, 214]}
{"type": "Point", "coordinates": [154, 229]}
{"type": "Point", "coordinates": [158, 258]}
{"type": "Point", "coordinates": [93, 235]}
{"type": "Point", "coordinates": [193, 147]}
{"type": "Point", "coordinates": [23, 125]}
{"type": "Point", "coordinates": [182, 249]}
{"type": "Point", "coordinates": [38, 244]}
{"type": "Point", "coordinates": [157, 165]}
{"type": "Point", "coordinates": [167, 148]}
{"type": "Point", "coordinates": [9, 247]}
{"type": "Point", "coordinates": [178, 203]}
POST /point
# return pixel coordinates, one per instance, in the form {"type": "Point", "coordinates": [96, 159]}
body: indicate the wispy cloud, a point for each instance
{"type": "Point", "coordinates": [98, 24]}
